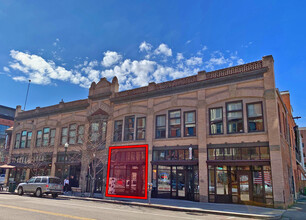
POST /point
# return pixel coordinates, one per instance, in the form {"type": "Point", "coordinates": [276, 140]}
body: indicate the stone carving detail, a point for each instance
{"type": "Point", "coordinates": [233, 70]}
{"type": "Point", "coordinates": [191, 79]}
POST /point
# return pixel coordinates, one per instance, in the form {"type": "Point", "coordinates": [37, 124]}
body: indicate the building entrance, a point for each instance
{"type": "Point", "coordinates": [244, 187]}
{"type": "Point", "coordinates": [175, 182]}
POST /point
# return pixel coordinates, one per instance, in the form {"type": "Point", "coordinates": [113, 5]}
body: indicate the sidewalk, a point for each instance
{"type": "Point", "coordinates": [189, 206]}
{"type": "Point", "coordinates": [297, 211]}
{"type": "Point", "coordinates": [245, 211]}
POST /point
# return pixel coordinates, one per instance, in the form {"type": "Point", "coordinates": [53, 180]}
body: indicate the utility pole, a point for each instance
{"type": "Point", "coordinates": [26, 95]}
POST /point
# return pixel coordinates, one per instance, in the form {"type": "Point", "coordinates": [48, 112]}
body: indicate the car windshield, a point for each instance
{"type": "Point", "coordinates": [54, 180]}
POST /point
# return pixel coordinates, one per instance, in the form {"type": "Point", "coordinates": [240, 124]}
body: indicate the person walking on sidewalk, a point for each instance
{"type": "Point", "coordinates": [66, 185]}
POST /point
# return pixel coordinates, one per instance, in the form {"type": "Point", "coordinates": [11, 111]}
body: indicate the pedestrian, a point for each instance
{"type": "Point", "coordinates": [66, 184]}
{"type": "Point", "coordinates": [72, 181]}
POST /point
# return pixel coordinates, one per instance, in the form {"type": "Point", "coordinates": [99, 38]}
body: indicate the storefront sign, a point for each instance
{"type": "Point", "coordinates": [190, 153]}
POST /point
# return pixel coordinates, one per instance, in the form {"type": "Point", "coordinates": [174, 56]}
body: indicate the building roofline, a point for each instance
{"type": "Point", "coordinates": [2, 106]}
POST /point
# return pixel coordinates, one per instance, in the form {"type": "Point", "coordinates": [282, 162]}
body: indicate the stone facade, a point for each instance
{"type": "Point", "coordinates": [249, 83]}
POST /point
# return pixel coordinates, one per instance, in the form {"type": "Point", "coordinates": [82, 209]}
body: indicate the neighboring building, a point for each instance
{"type": "Point", "coordinates": [303, 144]}
{"type": "Point", "coordinates": [220, 136]}
{"type": "Point", "coordinates": [6, 120]}
{"type": "Point", "coordinates": [297, 170]}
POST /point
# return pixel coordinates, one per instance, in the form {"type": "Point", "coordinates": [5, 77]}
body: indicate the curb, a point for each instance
{"type": "Point", "coordinates": [175, 208]}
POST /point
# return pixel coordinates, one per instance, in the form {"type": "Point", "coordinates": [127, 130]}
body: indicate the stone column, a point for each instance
{"type": "Point", "coordinates": [150, 132]}
{"type": "Point", "coordinates": [270, 95]}
{"type": "Point", "coordinates": [57, 142]}
{"type": "Point", "coordinates": [84, 160]}
{"type": "Point", "coordinates": [202, 145]}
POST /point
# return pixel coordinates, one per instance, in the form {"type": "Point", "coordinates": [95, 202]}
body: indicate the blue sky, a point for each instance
{"type": "Point", "coordinates": [65, 45]}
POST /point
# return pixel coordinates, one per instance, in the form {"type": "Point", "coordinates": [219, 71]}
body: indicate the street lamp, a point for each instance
{"type": "Point", "coordinates": [66, 147]}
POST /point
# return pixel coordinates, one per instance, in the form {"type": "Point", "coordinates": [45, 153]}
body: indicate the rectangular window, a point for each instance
{"type": "Point", "coordinates": [216, 120]}
{"type": "Point", "coordinates": [129, 128]}
{"type": "Point", "coordinates": [64, 135]}
{"type": "Point", "coordinates": [98, 131]}
{"type": "Point", "coordinates": [104, 126]}
{"type": "Point", "coordinates": [234, 117]}
{"type": "Point", "coordinates": [279, 119]}
{"type": "Point", "coordinates": [174, 123]}
{"type": "Point", "coordinates": [190, 124]}
{"type": "Point", "coordinates": [211, 154]}
{"type": "Point", "coordinates": [141, 128]}
{"type": "Point", "coordinates": [160, 126]}
{"type": "Point", "coordinates": [72, 133]}
{"type": "Point", "coordinates": [118, 130]}
{"type": "Point", "coordinates": [29, 138]}
{"type": "Point", "coordinates": [46, 136]}
{"type": "Point", "coordinates": [17, 141]}
{"type": "Point", "coordinates": [52, 136]}
{"type": "Point", "coordinates": [81, 130]}
{"type": "Point", "coordinates": [38, 138]}
{"type": "Point", "coordinates": [23, 139]}
{"type": "Point", "coordinates": [94, 131]}
{"type": "Point", "coordinates": [255, 117]}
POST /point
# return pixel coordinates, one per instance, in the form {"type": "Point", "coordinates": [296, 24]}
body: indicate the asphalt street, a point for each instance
{"type": "Point", "coordinates": [29, 207]}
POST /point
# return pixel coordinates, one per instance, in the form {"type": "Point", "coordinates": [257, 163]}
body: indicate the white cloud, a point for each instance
{"type": "Point", "coordinates": [37, 69]}
{"type": "Point", "coordinates": [204, 48]}
{"type": "Point", "coordinates": [240, 61]}
{"type": "Point", "coordinates": [164, 50]}
{"type": "Point", "coordinates": [144, 46]}
{"type": "Point", "coordinates": [110, 58]}
{"type": "Point", "coordinates": [188, 41]}
{"type": "Point", "coordinates": [6, 69]}
{"type": "Point", "coordinates": [194, 61]}
{"type": "Point", "coordinates": [130, 73]}
{"type": "Point", "coordinates": [179, 56]}
{"type": "Point", "coordinates": [219, 59]}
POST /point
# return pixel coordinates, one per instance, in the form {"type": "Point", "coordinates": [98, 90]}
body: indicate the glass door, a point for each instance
{"type": "Point", "coordinates": [244, 187]}
{"type": "Point", "coordinates": [181, 185]}
{"type": "Point", "coordinates": [163, 183]}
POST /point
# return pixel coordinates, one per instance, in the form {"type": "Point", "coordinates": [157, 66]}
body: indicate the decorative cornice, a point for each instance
{"type": "Point", "coordinates": [188, 86]}
{"type": "Point", "coordinates": [234, 70]}
{"type": "Point", "coordinates": [54, 109]}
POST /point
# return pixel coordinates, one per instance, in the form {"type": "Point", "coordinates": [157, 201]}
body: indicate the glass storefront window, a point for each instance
{"type": "Point", "coordinates": [211, 154]}
{"type": "Point", "coordinates": [254, 152]}
{"type": "Point", "coordinates": [234, 183]}
{"type": "Point", "coordinates": [181, 154]}
{"type": "Point", "coordinates": [220, 154]}
{"type": "Point", "coordinates": [164, 173]}
{"type": "Point", "coordinates": [221, 182]}
{"type": "Point", "coordinates": [245, 154]}
{"type": "Point", "coordinates": [241, 183]}
{"type": "Point", "coordinates": [268, 183]}
{"type": "Point", "coordinates": [264, 153]}
{"type": "Point", "coordinates": [257, 183]}
{"type": "Point", "coordinates": [227, 153]}
{"type": "Point", "coordinates": [176, 154]}
{"type": "Point", "coordinates": [211, 173]}
{"type": "Point", "coordinates": [236, 153]}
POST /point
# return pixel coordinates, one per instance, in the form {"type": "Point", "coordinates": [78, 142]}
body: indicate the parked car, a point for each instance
{"type": "Point", "coordinates": [40, 185]}
{"type": "Point", "coordinates": [2, 178]}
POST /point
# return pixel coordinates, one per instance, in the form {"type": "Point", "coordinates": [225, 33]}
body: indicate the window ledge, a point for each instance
{"type": "Point", "coordinates": [236, 134]}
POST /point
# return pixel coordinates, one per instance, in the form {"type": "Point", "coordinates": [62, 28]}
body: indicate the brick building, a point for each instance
{"type": "Point", "coordinates": [207, 138]}
{"type": "Point", "coordinates": [6, 121]}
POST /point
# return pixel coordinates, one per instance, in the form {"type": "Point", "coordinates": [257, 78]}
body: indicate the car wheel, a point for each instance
{"type": "Point", "coordinates": [20, 191]}
{"type": "Point", "coordinates": [38, 193]}
{"type": "Point", "coordinates": [54, 195]}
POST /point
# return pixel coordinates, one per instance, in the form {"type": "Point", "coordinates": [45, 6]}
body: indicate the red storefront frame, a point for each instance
{"type": "Point", "coordinates": [146, 171]}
